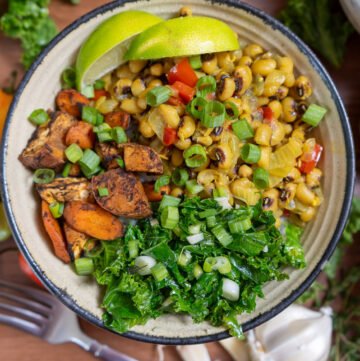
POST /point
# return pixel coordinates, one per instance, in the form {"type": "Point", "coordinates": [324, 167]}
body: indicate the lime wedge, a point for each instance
{"type": "Point", "coordinates": [183, 37]}
{"type": "Point", "coordinates": [104, 49]}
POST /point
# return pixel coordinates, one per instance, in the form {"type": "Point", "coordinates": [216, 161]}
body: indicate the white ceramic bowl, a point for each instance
{"type": "Point", "coordinates": [38, 90]}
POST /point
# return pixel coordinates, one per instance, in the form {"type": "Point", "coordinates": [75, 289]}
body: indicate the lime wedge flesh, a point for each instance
{"type": "Point", "coordinates": [183, 37]}
{"type": "Point", "coordinates": [103, 51]}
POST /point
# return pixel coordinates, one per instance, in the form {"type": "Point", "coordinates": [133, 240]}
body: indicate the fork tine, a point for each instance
{"type": "Point", "coordinates": [33, 316]}
{"type": "Point", "coordinates": [32, 305]}
{"type": "Point", "coordinates": [21, 324]}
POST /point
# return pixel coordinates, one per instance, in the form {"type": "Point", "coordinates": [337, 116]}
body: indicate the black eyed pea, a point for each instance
{"type": "Point", "coordinates": [302, 88]}
{"type": "Point", "coordinates": [187, 127]}
{"type": "Point", "coordinates": [209, 64]}
{"type": "Point", "coordinates": [137, 87]}
{"type": "Point", "coordinates": [272, 82]}
{"type": "Point", "coordinates": [170, 115]}
{"type": "Point", "coordinates": [308, 214]}
{"type": "Point", "coordinates": [245, 61]}
{"type": "Point", "coordinates": [270, 200]}
{"type": "Point", "coordinates": [278, 133]}
{"type": "Point", "coordinates": [226, 61]}
{"type": "Point", "coordinates": [222, 156]}
{"type": "Point", "coordinates": [130, 106]}
{"type": "Point", "coordinates": [312, 179]}
{"type": "Point", "coordinates": [305, 195]}
{"type": "Point", "coordinates": [244, 74]}
{"type": "Point", "coordinates": [185, 11]}
{"type": "Point", "coordinates": [122, 89]}
{"type": "Point", "coordinates": [225, 88]}
{"type": "Point", "coordinates": [135, 66]}
{"type": "Point", "coordinates": [183, 144]}
{"type": "Point", "coordinates": [282, 92]}
{"type": "Point", "coordinates": [145, 129]}
{"type": "Point", "coordinates": [263, 134]}
{"type": "Point", "coordinates": [253, 50]}
{"type": "Point", "coordinates": [245, 171]}
{"type": "Point", "coordinates": [123, 71]}
{"type": "Point", "coordinates": [276, 108]}
{"type": "Point", "coordinates": [156, 69]}
{"type": "Point", "coordinates": [263, 66]}
{"type": "Point", "coordinates": [177, 192]}
{"type": "Point", "coordinates": [289, 109]}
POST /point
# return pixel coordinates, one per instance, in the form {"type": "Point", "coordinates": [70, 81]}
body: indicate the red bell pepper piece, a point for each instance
{"type": "Point", "coordinates": [100, 93]}
{"type": "Point", "coordinates": [307, 166]}
{"type": "Point", "coordinates": [268, 114]}
{"type": "Point", "coordinates": [174, 101]}
{"type": "Point", "coordinates": [170, 136]}
{"type": "Point", "coordinates": [185, 92]}
{"type": "Point", "coordinates": [183, 72]}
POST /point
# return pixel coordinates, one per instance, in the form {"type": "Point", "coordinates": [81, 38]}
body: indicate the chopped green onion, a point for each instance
{"type": "Point", "coordinates": [195, 238]}
{"type": "Point", "coordinates": [222, 235]}
{"type": "Point", "coordinates": [261, 178]}
{"type": "Point", "coordinates": [66, 171]}
{"type": "Point", "coordinates": [205, 85]}
{"type": "Point", "coordinates": [211, 221]}
{"type": "Point", "coordinates": [56, 209]}
{"type": "Point", "coordinates": [160, 182]}
{"type": "Point", "coordinates": [84, 266]}
{"type": "Point", "coordinates": [221, 264]}
{"type": "Point", "coordinates": [184, 258]}
{"type": "Point", "coordinates": [90, 115]}
{"type": "Point", "coordinates": [121, 162]}
{"type": "Point", "coordinates": [143, 265]}
{"type": "Point", "coordinates": [104, 127]}
{"type": "Point", "coordinates": [208, 213]}
{"type": "Point", "coordinates": [213, 114]}
{"type": "Point", "coordinates": [118, 135]}
{"type": "Point", "coordinates": [231, 110]}
{"type": "Point", "coordinates": [193, 187]}
{"type": "Point", "coordinates": [103, 191]}
{"type": "Point", "coordinates": [158, 95]}
{"type": "Point", "coordinates": [242, 129]}
{"type": "Point", "coordinates": [195, 156]}
{"type": "Point", "coordinates": [220, 192]}
{"type": "Point", "coordinates": [90, 161]}
{"type": "Point", "coordinates": [195, 228]}
{"type": "Point", "coordinates": [68, 78]}
{"type": "Point", "coordinates": [73, 153]}
{"type": "Point", "coordinates": [314, 114]}
{"type": "Point", "coordinates": [104, 136]}
{"type": "Point", "coordinates": [39, 117]}
{"type": "Point", "coordinates": [99, 118]}
{"type": "Point", "coordinates": [169, 217]}
{"type": "Point", "coordinates": [99, 84]}
{"type": "Point", "coordinates": [198, 271]}
{"type": "Point", "coordinates": [196, 107]}
{"type": "Point", "coordinates": [43, 175]}
{"type": "Point", "coordinates": [159, 272]}
{"type": "Point", "coordinates": [230, 290]}
{"type": "Point", "coordinates": [179, 177]}
{"type": "Point", "coordinates": [88, 91]}
{"type": "Point", "coordinates": [250, 153]}
{"type": "Point", "coordinates": [133, 247]}
{"type": "Point", "coordinates": [195, 61]}
{"type": "Point", "coordinates": [169, 201]}
{"type": "Point", "coordinates": [239, 225]}
{"type": "Point", "coordinates": [89, 173]}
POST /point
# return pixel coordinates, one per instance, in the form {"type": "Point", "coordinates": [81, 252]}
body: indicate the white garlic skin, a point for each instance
{"type": "Point", "coordinates": [296, 334]}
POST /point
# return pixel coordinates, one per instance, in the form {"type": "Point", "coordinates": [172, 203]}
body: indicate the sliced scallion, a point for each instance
{"type": "Point", "coordinates": [99, 84]}
{"type": "Point", "coordinates": [169, 217]}
{"type": "Point", "coordinates": [231, 110]}
{"type": "Point", "coordinates": [88, 91]}
{"type": "Point", "coordinates": [239, 225]}
{"type": "Point", "coordinates": [66, 171]}
{"type": "Point", "coordinates": [195, 61]}
{"type": "Point", "coordinates": [211, 221]}
{"type": "Point", "coordinates": [160, 182]}
{"type": "Point", "coordinates": [222, 235]}
{"type": "Point", "coordinates": [205, 85]}
{"type": "Point", "coordinates": [84, 266]}
{"type": "Point", "coordinates": [208, 213]}
{"type": "Point", "coordinates": [195, 238]}
{"type": "Point", "coordinates": [118, 135]}
{"type": "Point", "coordinates": [197, 271]}
{"type": "Point", "coordinates": [193, 187]}
{"type": "Point", "coordinates": [250, 153]}
{"type": "Point", "coordinates": [143, 265]}
{"type": "Point", "coordinates": [196, 107]}
{"type": "Point", "coordinates": [314, 114]}
{"type": "Point", "coordinates": [104, 137]}
{"type": "Point", "coordinates": [103, 192]}
{"type": "Point", "coordinates": [133, 247]}
{"type": "Point", "coordinates": [213, 114]}
{"type": "Point", "coordinates": [121, 162]}
{"type": "Point", "coordinates": [169, 201]}
{"type": "Point", "coordinates": [230, 290]}
{"type": "Point", "coordinates": [179, 177]}
{"type": "Point", "coordinates": [261, 178]}
{"type": "Point", "coordinates": [39, 117]}
{"type": "Point", "coordinates": [68, 78]}
{"type": "Point", "coordinates": [73, 153]}
{"type": "Point", "coordinates": [184, 258]}
{"type": "Point", "coordinates": [158, 95]}
{"type": "Point", "coordinates": [159, 271]}
{"type": "Point", "coordinates": [220, 264]}
{"type": "Point", "coordinates": [195, 156]}
{"type": "Point", "coordinates": [43, 175]}
{"type": "Point", "coordinates": [56, 209]}
{"type": "Point", "coordinates": [242, 129]}
{"type": "Point", "coordinates": [220, 192]}
{"type": "Point", "coordinates": [104, 127]}
{"type": "Point", "coordinates": [195, 228]}
{"type": "Point", "coordinates": [90, 160]}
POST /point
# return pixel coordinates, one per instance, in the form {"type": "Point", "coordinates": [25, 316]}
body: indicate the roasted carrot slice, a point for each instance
{"type": "Point", "coordinates": [154, 196]}
{"type": "Point", "coordinates": [71, 101]}
{"type": "Point", "coordinates": [81, 134]}
{"type": "Point", "coordinates": [53, 229]}
{"type": "Point", "coordinates": [92, 220]}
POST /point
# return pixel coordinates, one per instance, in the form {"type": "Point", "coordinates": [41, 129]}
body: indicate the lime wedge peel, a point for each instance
{"type": "Point", "coordinates": [104, 50]}
{"type": "Point", "coordinates": [183, 36]}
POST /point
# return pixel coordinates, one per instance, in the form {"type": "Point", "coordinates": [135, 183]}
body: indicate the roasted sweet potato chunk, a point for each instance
{"type": "Point", "coordinates": [92, 220]}
{"type": "Point", "coordinates": [77, 241]}
{"type": "Point", "coordinates": [108, 152]}
{"type": "Point", "coordinates": [81, 134]}
{"type": "Point", "coordinates": [126, 194]}
{"type": "Point", "coordinates": [140, 158]}
{"type": "Point", "coordinates": [118, 119]}
{"type": "Point", "coordinates": [71, 101]}
{"type": "Point", "coordinates": [46, 147]}
{"type": "Point", "coordinates": [53, 229]}
{"type": "Point", "coordinates": [65, 190]}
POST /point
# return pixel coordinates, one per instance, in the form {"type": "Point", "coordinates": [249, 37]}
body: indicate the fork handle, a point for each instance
{"type": "Point", "coordinates": [106, 353]}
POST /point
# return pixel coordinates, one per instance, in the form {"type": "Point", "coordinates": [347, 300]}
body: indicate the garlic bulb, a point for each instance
{"type": "Point", "coordinates": [296, 334]}
{"type": "Point", "coordinates": [193, 352]}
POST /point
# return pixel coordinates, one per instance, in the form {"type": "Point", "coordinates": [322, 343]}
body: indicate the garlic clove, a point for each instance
{"type": "Point", "coordinates": [237, 349]}
{"type": "Point", "coordinates": [193, 352]}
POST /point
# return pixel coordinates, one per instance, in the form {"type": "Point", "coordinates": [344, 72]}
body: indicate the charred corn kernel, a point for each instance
{"type": "Point", "coordinates": [272, 82]}
{"type": "Point", "coordinates": [187, 127]}
{"type": "Point", "coordinates": [183, 144]}
{"type": "Point", "coordinates": [305, 195]}
{"type": "Point", "coordinates": [209, 66]}
{"type": "Point", "coordinates": [288, 128]}
{"type": "Point", "coordinates": [255, 124]}
{"type": "Point", "coordinates": [141, 101]}
{"type": "Point", "coordinates": [154, 83]}
{"type": "Point", "coordinates": [278, 133]}
{"type": "Point", "coordinates": [264, 161]}
{"type": "Point", "coordinates": [276, 108]}
{"type": "Point", "coordinates": [263, 134]}
{"type": "Point", "coordinates": [226, 89]}
{"type": "Point", "coordinates": [245, 60]}
{"type": "Point", "coordinates": [289, 109]}
{"type": "Point", "coordinates": [313, 178]}
{"type": "Point", "coordinates": [130, 106]}
{"type": "Point", "coordinates": [122, 87]}
{"type": "Point", "coordinates": [145, 129]}
{"type": "Point", "coordinates": [247, 117]}
{"type": "Point", "coordinates": [136, 66]}
{"type": "Point", "coordinates": [287, 194]}
{"type": "Point", "coordinates": [294, 175]}
{"type": "Point", "coordinates": [169, 115]}
{"type": "Point", "coordinates": [270, 200]}
{"type": "Point", "coordinates": [185, 11]}
{"type": "Point", "coordinates": [177, 192]}
{"type": "Point", "coordinates": [137, 87]}
{"type": "Point", "coordinates": [253, 50]}
{"type": "Point", "coordinates": [245, 171]}
{"type": "Point", "coordinates": [206, 140]}
{"type": "Point", "coordinates": [258, 85]}
{"type": "Point", "coordinates": [308, 215]}
{"type": "Point", "coordinates": [263, 66]}
{"type": "Point", "coordinates": [123, 71]}
{"type": "Point", "coordinates": [282, 92]}
{"type": "Point", "coordinates": [261, 101]}
{"type": "Point", "coordinates": [244, 74]}
{"type": "Point", "coordinates": [226, 61]}
{"type": "Point", "coordinates": [302, 88]}
{"type": "Point", "coordinates": [177, 157]}
{"type": "Point", "coordinates": [105, 106]}
{"type": "Point", "coordinates": [299, 133]}
{"type": "Point", "coordinates": [222, 156]}
{"type": "Point", "coordinates": [156, 69]}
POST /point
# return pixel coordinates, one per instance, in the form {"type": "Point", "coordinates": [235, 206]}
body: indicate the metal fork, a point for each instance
{"type": "Point", "coordinates": [42, 315]}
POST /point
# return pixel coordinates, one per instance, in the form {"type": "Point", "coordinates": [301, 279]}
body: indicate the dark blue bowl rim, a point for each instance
{"type": "Point", "coordinates": [350, 179]}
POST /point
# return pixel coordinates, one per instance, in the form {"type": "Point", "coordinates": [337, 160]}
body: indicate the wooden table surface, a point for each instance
{"type": "Point", "coordinates": [16, 345]}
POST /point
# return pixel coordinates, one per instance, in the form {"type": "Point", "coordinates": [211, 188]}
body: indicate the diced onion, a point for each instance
{"type": "Point", "coordinates": [144, 264]}
{"type": "Point", "coordinates": [230, 290]}
{"type": "Point", "coordinates": [195, 238]}
{"type": "Point", "coordinates": [195, 228]}
{"type": "Point", "coordinates": [223, 202]}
